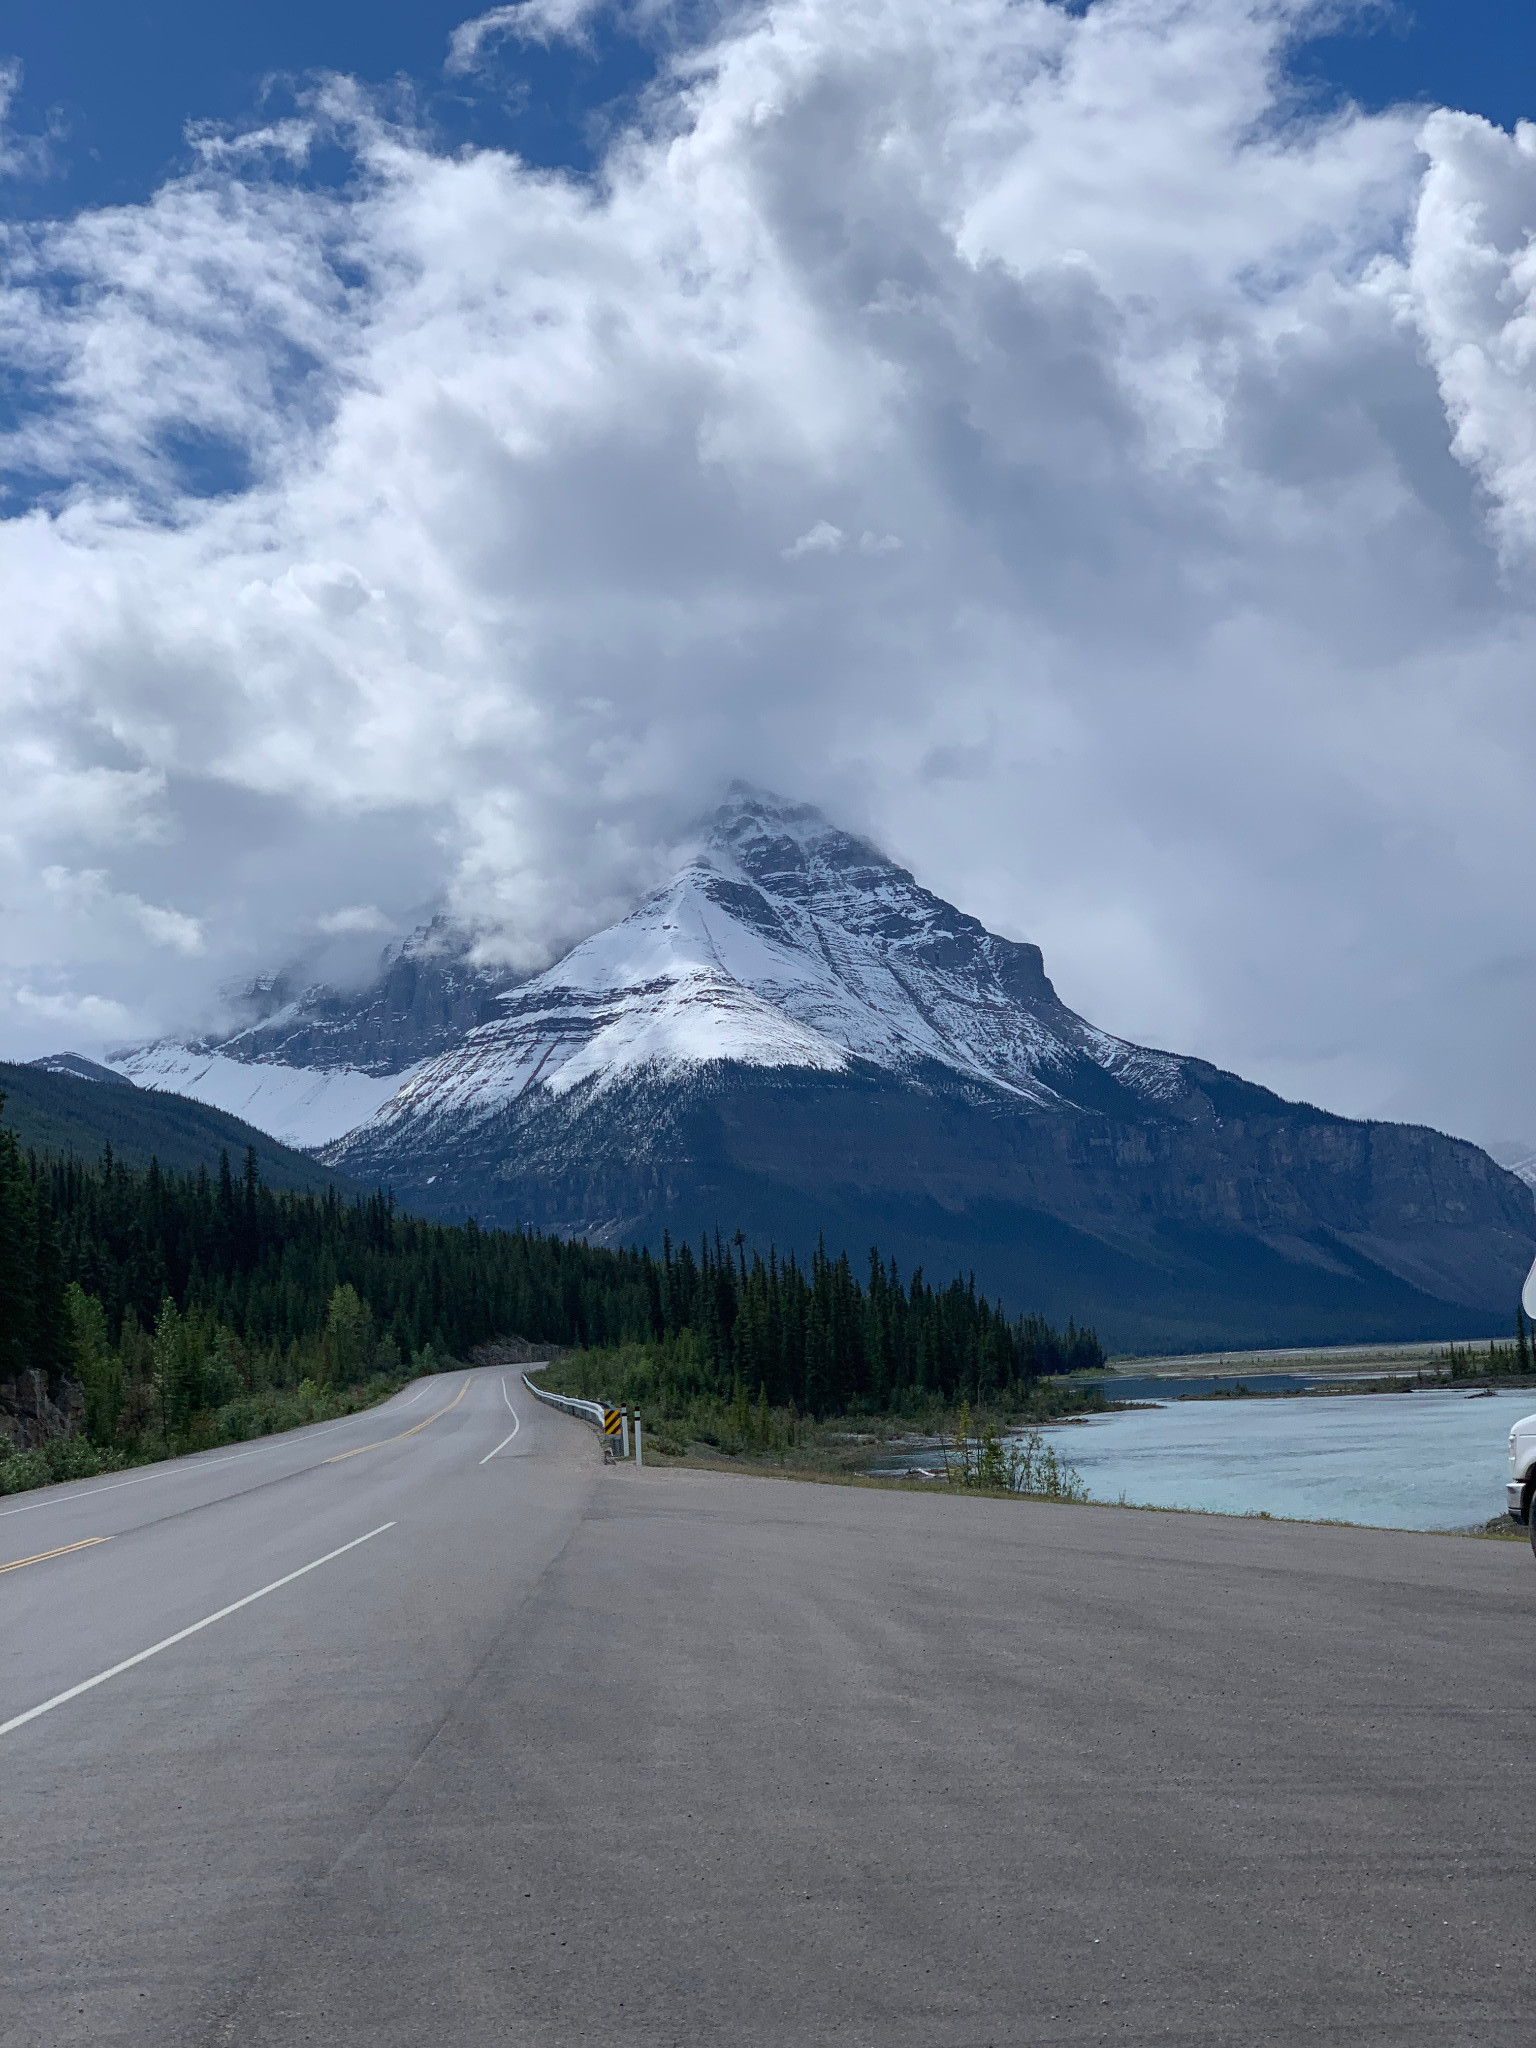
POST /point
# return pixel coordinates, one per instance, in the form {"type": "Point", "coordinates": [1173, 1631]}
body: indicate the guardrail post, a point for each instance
{"type": "Point", "coordinates": [639, 1453]}
{"type": "Point", "coordinates": [624, 1425]}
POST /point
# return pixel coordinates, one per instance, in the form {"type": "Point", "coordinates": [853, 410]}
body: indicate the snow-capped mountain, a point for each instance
{"type": "Point", "coordinates": [784, 943]}
{"type": "Point", "coordinates": [794, 1038]}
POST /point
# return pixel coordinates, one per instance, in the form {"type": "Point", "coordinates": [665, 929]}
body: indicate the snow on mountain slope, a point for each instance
{"type": "Point", "coordinates": [783, 943]}
{"type": "Point", "coordinates": [300, 1106]}
{"type": "Point", "coordinates": [308, 1061]}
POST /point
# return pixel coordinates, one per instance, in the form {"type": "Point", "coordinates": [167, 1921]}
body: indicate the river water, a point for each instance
{"type": "Point", "coordinates": [1428, 1460]}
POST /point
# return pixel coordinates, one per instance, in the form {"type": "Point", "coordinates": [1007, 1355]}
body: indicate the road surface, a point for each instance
{"type": "Point", "coordinates": [519, 1750]}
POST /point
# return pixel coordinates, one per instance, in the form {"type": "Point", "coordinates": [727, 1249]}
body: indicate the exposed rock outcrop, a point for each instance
{"type": "Point", "coordinates": [30, 1415]}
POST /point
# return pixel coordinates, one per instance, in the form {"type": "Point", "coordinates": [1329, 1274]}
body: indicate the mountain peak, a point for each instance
{"type": "Point", "coordinates": [787, 943]}
{"type": "Point", "coordinates": [765, 833]}
{"type": "Point", "coordinates": [751, 802]}
{"type": "Point", "coordinates": [793, 850]}
{"type": "Point", "coordinates": [796, 1031]}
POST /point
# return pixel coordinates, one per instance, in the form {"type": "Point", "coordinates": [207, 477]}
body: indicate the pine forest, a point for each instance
{"type": "Point", "coordinates": [189, 1308]}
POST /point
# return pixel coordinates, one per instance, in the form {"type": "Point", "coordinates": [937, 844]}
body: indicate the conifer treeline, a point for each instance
{"type": "Point", "coordinates": [34, 1327]}
{"type": "Point", "coordinates": [232, 1255]}
{"type": "Point", "coordinates": [824, 1343]}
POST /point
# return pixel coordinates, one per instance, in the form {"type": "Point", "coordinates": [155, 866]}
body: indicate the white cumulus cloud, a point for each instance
{"type": "Point", "coordinates": [1469, 286]}
{"type": "Point", "coordinates": [821, 539]}
{"type": "Point", "coordinates": [529, 21]}
{"type": "Point", "coordinates": [458, 532]}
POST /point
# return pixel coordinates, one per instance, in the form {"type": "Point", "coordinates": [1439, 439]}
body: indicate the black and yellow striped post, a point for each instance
{"type": "Point", "coordinates": [611, 1422]}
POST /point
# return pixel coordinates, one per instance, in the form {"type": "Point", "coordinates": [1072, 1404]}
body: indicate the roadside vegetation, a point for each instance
{"type": "Point", "coordinates": [694, 1415]}
{"type": "Point", "coordinates": [733, 1336]}
{"type": "Point", "coordinates": [247, 1415]}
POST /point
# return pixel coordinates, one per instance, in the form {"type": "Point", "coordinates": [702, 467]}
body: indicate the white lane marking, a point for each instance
{"type": "Point", "coordinates": [62, 1698]}
{"type": "Point", "coordinates": [516, 1426]}
{"type": "Point", "coordinates": [180, 1468]}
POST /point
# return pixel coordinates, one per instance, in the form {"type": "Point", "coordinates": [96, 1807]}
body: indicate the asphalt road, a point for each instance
{"type": "Point", "coordinates": [562, 1755]}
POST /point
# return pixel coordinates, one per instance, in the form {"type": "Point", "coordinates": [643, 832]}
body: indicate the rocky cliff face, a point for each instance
{"type": "Point", "coordinates": [426, 997]}
{"type": "Point", "coordinates": [795, 1036]}
{"type": "Point", "coordinates": [30, 1416]}
{"type": "Point", "coordinates": [308, 1062]}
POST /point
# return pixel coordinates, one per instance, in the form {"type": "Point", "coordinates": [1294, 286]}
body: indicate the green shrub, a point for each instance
{"type": "Point", "coordinates": [69, 1457]}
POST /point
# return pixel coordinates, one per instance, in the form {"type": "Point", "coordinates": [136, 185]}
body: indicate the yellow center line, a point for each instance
{"type": "Point", "coordinates": [63, 1550]}
{"type": "Point", "coordinates": [342, 1456]}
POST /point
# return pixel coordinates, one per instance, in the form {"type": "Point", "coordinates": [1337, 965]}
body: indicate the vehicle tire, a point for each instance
{"type": "Point", "coordinates": [1530, 1515]}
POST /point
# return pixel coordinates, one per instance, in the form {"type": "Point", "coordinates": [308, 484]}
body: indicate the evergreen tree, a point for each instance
{"type": "Point", "coordinates": [18, 1260]}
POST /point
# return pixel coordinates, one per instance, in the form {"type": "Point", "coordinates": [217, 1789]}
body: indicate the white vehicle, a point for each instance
{"type": "Point", "coordinates": [1522, 1473]}
{"type": "Point", "coordinates": [1522, 1442]}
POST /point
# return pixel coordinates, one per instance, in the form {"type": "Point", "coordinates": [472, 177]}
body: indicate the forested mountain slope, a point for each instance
{"type": "Point", "coordinates": [59, 1113]}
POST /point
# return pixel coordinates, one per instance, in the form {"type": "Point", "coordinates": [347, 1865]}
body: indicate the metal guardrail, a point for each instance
{"type": "Point", "coordinates": [589, 1411]}
{"type": "Point", "coordinates": [608, 1422]}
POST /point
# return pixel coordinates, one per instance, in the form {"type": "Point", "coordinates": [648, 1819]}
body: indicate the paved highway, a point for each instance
{"type": "Point", "coordinates": [512, 1749]}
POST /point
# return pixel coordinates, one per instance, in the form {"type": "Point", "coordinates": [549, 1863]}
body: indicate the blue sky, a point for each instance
{"type": "Point", "coordinates": [119, 79]}
{"type": "Point", "coordinates": [1476, 54]}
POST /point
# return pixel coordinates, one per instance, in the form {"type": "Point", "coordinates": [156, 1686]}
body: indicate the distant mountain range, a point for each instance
{"type": "Point", "coordinates": [794, 1037]}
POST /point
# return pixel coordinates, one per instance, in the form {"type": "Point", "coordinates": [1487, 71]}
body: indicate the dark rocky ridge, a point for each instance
{"type": "Point", "coordinates": [1280, 1225]}
{"type": "Point", "coordinates": [79, 1068]}
{"type": "Point", "coordinates": [427, 996]}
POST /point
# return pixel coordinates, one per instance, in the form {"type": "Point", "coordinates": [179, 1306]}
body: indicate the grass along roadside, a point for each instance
{"type": "Point", "coordinates": [268, 1413]}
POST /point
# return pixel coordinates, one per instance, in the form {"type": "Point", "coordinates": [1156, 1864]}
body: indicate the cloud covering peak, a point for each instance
{"type": "Point", "coordinates": [1027, 432]}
